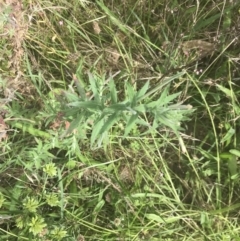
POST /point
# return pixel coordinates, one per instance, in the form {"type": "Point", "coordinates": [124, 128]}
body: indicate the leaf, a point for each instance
{"type": "Point", "coordinates": [140, 108]}
{"type": "Point", "coordinates": [225, 155]}
{"type": "Point", "coordinates": [36, 225]}
{"type": "Point", "coordinates": [167, 122]}
{"type": "Point", "coordinates": [113, 91]}
{"type": "Point", "coordinates": [236, 108]}
{"type": "Point", "coordinates": [73, 189]}
{"type": "Point", "coordinates": [228, 136]}
{"type": "Point", "coordinates": [143, 90]}
{"type": "Point", "coordinates": [130, 124]}
{"type": "Point", "coordinates": [154, 217]}
{"type": "Point", "coordinates": [30, 129]}
{"type": "Point", "coordinates": [99, 206]}
{"type": "Point", "coordinates": [165, 98]}
{"type": "Point", "coordinates": [152, 104]}
{"type": "Point", "coordinates": [79, 86]}
{"type": "Point", "coordinates": [158, 219]}
{"type": "Point", "coordinates": [112, 119]}
{"type": "Point", "coordinates": [130, 91]}
{"type": "Point", "coordinates": [91, 104]}
{"type": "Point", "coordinates": [94, 87]}
{"type": "Point", "coordinates": [96, 130]}
{"type": "Point", "coordinates": [235, 152]}
{"type": "Point", "coordinates": [232, 165]}
{"type": "Point", "coordinates": [131, 110]}
{"type": "Point", "coordinates": [227, 19]}
{"type": "Point", "coordinates": [117, 107]}
{"type": "Point", "coordinates": [71, 97]}
{"type": "Point", "coordinates": [229, 93]}
{"type": "Point", "coordinates": [74, 125]}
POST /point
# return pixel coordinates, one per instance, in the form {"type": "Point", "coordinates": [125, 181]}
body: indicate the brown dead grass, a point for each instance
{"type": "Point", "coordinates": [14, 33]}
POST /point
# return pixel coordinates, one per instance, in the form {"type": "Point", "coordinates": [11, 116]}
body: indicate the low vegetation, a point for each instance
{"type": "Point", "coordinates": [119, 120]}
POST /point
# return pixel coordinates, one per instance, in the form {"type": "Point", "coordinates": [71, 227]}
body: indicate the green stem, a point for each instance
{"type": "Point", "coordinates": [30, 129]}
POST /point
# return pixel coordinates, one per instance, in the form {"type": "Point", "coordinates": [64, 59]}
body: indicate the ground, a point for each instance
{"type": "Point", "coordinates": [119, 120]}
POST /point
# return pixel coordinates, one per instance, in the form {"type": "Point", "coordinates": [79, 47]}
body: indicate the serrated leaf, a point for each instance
{"type": "Point", "coordinates": [113, 91]}
{"type": "Point", "coordinates": [94, 87]}
{"type": "Point", "coordinates": [143, 90]}
{"type": "Point", "coordinates": [74, 125]}
{"type": "Point", "coordinates": [130, 91]}
{"type": "Point", "coordinates": [117, 107]}
{"type": "Point", "coordinates": [131, 110]}
{"type": "Point", "coordinates": [155, 124]}
{"type": "Point", "coordinates": [72, 112]}
{"type": "Point", "coordinates": [164, 99]}
{"type": "Point", "coordinates": [80, 87]}
{"type": "Point", "coordinates": [112, 119]}
{"type": "Point", "coordinates": [152, 104]}
{"type": "Point", "coordinates": [163, 95]}
{"type": "Point", "coordinates": [165, 121]}
{"type": "Point", "coordinates": [130, 124]}
{"type": "Point", "coordinates": [30, 129]}
{"type": "Point", "coordinates": [131, 94]}
{"type": "Point", "coordinates": [96, 130]}
{"type": "Point", "coordinates": [91, 105]}
{"type": "Point", "coordinates": [71, 97]}
{"type": "Point", "coordinates": [140, 108]}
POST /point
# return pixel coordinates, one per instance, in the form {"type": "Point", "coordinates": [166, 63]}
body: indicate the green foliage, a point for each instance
{"type": "Point", "coordinates": [36, 225]}
{"type": "Point", "coordinates": [50, 169]}
{"type": "Point", "coordinates": [58, 233]}
{"type": "Point", "coordinates": [105, 112]}
{"type": "Point", "coordinates": [108, 131]}
{"type": "Point", "coordinates": [31, 205]}
{"type": "Point", "coordinates": [52, 200]}
{"type": "Point", "coordinates": [2, 199]}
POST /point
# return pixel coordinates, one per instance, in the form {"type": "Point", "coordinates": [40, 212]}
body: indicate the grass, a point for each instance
{"type": "Point", "coordinates": [119, 120]}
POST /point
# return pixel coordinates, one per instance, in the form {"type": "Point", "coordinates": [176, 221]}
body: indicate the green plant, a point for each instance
{"type": "Point", "coordinates": [161, 171]}
{"type": "Point", "coordinates": [103, 111]}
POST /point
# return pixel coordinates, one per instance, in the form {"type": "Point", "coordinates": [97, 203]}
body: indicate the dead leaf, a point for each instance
{"type": "Point", "coordinates": [126, 174]}
{"type": "Point", "coordinates": [80, 238]}
{"type": "Point", "coordinates": [112, 56]}
{"type": "Point", "coordinates": [96, 28]}
{"type": "Point", "coordinates": [202, 48]}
